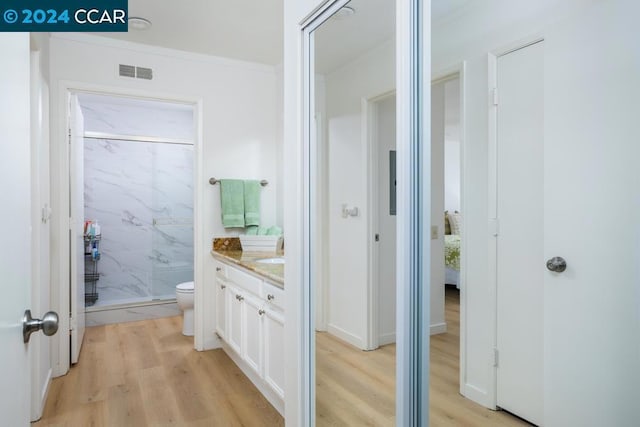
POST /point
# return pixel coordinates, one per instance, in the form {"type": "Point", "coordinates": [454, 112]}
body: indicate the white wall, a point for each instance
{"type": "Point", "coordinates": [239, 122]}
{"type": "Point", "coordinates": [572, 61]}
{"type": "Point", "coordinates": [452, 145]}
{"type": "Point", "coordinates": [370, 75]}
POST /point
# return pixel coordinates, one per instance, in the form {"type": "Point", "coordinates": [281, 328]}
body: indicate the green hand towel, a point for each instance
{"type": "Point", "coordinates": [232, 202]}
{"type": "Point", "coordinates": [252, 202]}
{"type": "Point", "coordinates": [251, 231]}
{"type": "Point", "coordinates": [262, 231]}
{"type": "Point", "coordinates": [274, 231]}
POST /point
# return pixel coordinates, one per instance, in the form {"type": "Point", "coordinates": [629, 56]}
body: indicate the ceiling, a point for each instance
{"type": "Point", "coordinates": [249, 30]}
{"type": "Point", "coordinates": [441, 9]}
{"type": "Point", "coordinates": [252, 30]}
{"type": "Point", "coordinates": [339, 41]}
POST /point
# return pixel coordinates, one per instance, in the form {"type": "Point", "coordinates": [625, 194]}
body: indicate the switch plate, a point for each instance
{"type": "Point", "coordinates": [434, 232]}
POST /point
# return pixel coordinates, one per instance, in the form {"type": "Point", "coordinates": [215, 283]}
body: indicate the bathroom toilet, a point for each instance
{"type": "Point", "coordinates": [184, 295]}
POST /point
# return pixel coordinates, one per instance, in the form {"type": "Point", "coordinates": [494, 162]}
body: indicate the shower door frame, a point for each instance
{"type": "Point", "coordinates": [60, 173]}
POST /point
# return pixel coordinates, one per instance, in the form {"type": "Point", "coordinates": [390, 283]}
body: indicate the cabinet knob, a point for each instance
{"type": "Point", "coordinates": [239, 297]}
{"type": "Point", "coordinates": [260, 312]}
{"type": "Point", "coordinates": [223, 286]}
{"type": "Point", "coordinates": [270, 297]}
{"type": "Point", "coordinates": [218, 268]}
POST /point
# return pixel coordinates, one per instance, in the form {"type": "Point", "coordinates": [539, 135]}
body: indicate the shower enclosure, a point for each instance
{"type": "Point", "coordinates": [138, 179]}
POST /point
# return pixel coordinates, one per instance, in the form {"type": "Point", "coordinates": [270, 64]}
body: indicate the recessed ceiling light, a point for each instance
{"type": "Point", "coordinates": [139, 24]}
{"type": "Point", "coordinates": [344, 13]}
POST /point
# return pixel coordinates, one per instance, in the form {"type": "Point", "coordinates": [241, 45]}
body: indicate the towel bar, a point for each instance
{"type": "Point", "coordinates": [214, 181]}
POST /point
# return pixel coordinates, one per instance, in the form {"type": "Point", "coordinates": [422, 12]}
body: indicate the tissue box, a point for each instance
{"type": "Point", "coordinates": [261, 243]}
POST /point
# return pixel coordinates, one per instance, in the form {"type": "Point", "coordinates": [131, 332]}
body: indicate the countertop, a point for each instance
{"type": "Point", "coordinates": [272, 273]}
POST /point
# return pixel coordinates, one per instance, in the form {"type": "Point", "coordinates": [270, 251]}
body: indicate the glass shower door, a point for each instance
{"type": "Point", "coordinates": [172, 212]}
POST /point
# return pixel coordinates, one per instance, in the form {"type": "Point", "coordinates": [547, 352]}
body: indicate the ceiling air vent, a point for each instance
{"type": "Point", "coordinates": [135, 72]}
{"type": "Point", "coordinates": [127, 71]}
{"type": "Point", "coordinates": [144, 73]}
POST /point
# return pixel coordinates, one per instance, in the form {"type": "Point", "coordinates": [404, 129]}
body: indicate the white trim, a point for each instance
{"type": "Point", "coordinates": [60, 354]}
{"type": "Point", "coordinates": [346, 336]}
{"type": "Point", "coordinates": [384, 339]}
{"type": "Point", "coordinates": [160, 51]}
{"type": "Point", "coordinates": [438, 328]}
{"type": "Point", "coordinates": [370, 151]}
{"type": "Point", "coordinates": [492, 244]}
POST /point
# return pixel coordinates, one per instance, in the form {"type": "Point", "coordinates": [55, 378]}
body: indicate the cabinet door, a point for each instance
{"type": "Point", "coordinates": [252, 322]}
{"type": "Point", "coordinates": [274, 350]}
{"type": "Point", "coordinates": [221, 311]}
{"type": "Point", "coordinates": [234, 319]}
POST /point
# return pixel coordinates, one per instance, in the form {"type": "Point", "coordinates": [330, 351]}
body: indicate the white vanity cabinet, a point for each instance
{"type": "Point", "coordinates": [252, 349]}
{"type": "Point", "coordinates": [250, 321]}
{"type": "Point", "coordinates": [234, 310]}
{"type": "Point", "coordinates": [274, 350]}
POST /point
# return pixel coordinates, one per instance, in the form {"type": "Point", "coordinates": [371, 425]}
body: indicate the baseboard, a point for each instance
{"type": "Point", "coordinates": [388, 338]}
{"type": "Point", "coordinates": [212, 342]}
{"type": "Point", "coordinates": [477, 395]}
{"type": "Point", "coordinates": [110, 315]}
{"type": "Point", "coordinates": [275, 400]}
{"type": "Point", "coordinates": [346, 336]}
{"type": "Point", "coordinates": [438, 328]}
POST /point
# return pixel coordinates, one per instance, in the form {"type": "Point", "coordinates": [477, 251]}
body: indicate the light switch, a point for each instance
{"type": "Point", "coordinates": [434, 232]}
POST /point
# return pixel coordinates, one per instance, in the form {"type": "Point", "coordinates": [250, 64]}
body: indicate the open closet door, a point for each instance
{"type": "Point", "coordinates": [76, 233]}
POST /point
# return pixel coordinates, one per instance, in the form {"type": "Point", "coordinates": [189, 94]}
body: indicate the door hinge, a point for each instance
{"type": "Point", "coordinates": [72, 323]}
{"type": "Point", "coordinates": [494, 227]}
{"type": "Point", "coordinates": [496, 357]}
{"type": "Point", "coordinates": [495, 96]}
{"type": "Point", "coordinates": [70, 223]}
{"type": "Point", "coordinates": [377, 237]}
{"type": "Point", "coordinates": [69, 136]}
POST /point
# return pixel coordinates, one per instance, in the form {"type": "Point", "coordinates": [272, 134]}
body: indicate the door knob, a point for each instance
{"type": "Point", "coordinates": [557, 264]}
{"type": "Point", "coordinates": [48, 324]}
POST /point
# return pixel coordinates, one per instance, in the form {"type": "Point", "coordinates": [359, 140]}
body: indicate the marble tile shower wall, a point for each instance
{"type": "Point", "coordinates": [142, 195]}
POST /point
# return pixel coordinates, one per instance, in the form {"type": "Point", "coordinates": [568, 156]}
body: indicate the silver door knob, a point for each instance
{"type": "Point", "coordinates": [557, 264]}
{"type": "Point", "coordinates": [48, 324]}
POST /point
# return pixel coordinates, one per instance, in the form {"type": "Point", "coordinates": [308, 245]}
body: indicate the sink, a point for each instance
{"type": "Point", "coordinates": [276, 260]}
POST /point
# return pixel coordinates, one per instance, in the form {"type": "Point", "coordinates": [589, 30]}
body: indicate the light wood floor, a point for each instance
{"type": "Point", "coordinates": [357, 388]}
{"type": "Point", "coordinates": [147, 374]}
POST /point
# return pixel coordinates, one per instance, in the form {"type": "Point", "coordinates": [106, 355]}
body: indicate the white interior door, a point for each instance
{"type": "Point", "coordinates": [385, 133]}
{"type": "Point", "coordinates": [520, 198]}
{"type": "Point", "coordinates": [76, 184]}
{"type": "Point", "coordinates": [15, 223]}
{"type": "Point", "coordinates": [592, 219]}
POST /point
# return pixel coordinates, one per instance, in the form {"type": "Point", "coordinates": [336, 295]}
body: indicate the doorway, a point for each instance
{"type": "Point", "coordinates": [159, 207]}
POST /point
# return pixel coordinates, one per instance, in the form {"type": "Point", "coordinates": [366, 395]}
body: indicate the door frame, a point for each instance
{"type": "Point", "coordinates": [449, 73]}
{"type": "Point", "coordinates": [60, 198]}
{"type": "Point", "coordinates": [370, 151]}
{"type": "Point", "coordinates": [413, 33]}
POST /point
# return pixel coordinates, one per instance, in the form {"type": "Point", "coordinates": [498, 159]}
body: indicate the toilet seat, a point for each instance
{"type": "Point", "coordinates": [185, 288]}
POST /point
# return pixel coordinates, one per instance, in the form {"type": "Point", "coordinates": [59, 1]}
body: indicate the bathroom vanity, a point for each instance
{"type": "Point", "coordinates": [249, 302]}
